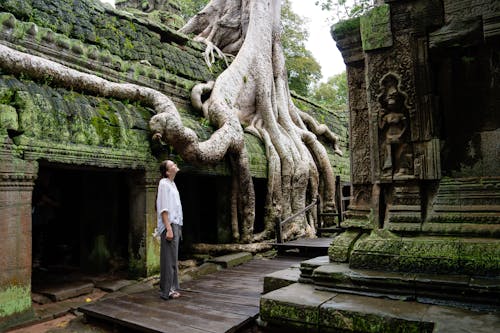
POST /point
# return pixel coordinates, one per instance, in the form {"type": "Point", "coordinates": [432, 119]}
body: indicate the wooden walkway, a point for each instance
{"type": "Point", "coordinates": [217, 303]}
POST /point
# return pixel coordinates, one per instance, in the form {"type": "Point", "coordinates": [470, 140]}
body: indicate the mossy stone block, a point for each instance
{"type": "Point", "coordinates": [280, 279]}
{"type": "Point", "coordinates": [296, 305]}
{"type": "Point", "coordinates": [351, 313]}
{"type": "Point", "coordinates": [375, 27]}
{"type": "Point", "coordinates": [8, 118]}
{"type": "Point", "coordinates": [341, 246]}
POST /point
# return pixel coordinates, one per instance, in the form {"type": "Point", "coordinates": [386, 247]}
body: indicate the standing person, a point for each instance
{"type": "Point", "coordinates": [169, 213]}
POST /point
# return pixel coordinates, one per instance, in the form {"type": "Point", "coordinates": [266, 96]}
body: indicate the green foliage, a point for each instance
{"type": "Point", "coordinates": [190, 8]}
{"type": "Point", "coordinates": [343, 9]}
{"type": "Point", "coordinates": [333, 93]}
{"type": "Point", "coordinates": [301, 66]}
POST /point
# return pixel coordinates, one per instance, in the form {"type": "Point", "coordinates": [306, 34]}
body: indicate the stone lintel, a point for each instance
{"type": "Point", "coordinates": [491, 26]}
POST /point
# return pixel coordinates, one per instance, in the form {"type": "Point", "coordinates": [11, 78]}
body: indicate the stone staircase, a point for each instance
{"type": "Point", "coordinates": [319, 296]}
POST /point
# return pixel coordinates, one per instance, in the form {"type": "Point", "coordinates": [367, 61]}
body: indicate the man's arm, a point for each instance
{"type": "Point", "coordinates": [170, 234]}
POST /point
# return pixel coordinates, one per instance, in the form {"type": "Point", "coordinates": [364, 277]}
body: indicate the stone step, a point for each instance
{"type": "Point", "coordinates": [280, 279]}
{"type": "Point", "coordinates": [463, 290]}
{"type": "Point", "coordinates": [233, 259]}
{"type": "Point", "coordinates": [113, 285]}
{"type": "Point", "coordinates": [66, 290]}
{"type": "Point", "coordinates": [303, 308]}
{"type": "Point", "coordinates": [307, 267]}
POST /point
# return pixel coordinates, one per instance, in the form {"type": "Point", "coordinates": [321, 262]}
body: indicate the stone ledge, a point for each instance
{"type": "Point", "coordinates": [308, 266]}
{"type": "Point", "coordinates": [466, 291]}
{"type": "Point", "coordinates": [384, 251]}
{"type": "Point", "coordinates": [232, 260]}
{"type": "Point", "coordinates": [280, 279]}
{"type": "Point", "coordinates": [301, 307]}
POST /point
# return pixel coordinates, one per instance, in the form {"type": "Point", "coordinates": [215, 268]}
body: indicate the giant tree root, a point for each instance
{"type": "Point", "coordinates": [216, 249]}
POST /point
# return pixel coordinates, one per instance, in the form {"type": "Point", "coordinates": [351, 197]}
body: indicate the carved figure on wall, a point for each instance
{"type": "Point", "coordinates": [393, 122]}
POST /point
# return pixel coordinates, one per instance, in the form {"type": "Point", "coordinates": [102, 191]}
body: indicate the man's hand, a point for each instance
{"type": "Point", "coordinates": [169, 235]}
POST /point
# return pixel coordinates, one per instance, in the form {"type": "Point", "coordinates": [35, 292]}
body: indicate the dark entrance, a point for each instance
{"type": "Point", "coordinates": [80, 222]}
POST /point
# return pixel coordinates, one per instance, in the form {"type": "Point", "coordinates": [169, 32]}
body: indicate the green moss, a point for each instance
{"type": "Point", "coordinates": [8, 118]}
{"type": "Point", "coordinates": [375, 27]}
{"type": "Point", "coordinates": [340, 249]}
{"type": "Point", "coordinates": [21, 9]}
{"type": "Point", "coordinates": [343, 28]}
{"type": "Point", "coordinates": [14, 299]}
{"type": "Point", "coordinates": [301, 315]}
{"type": "Point", "coordinates": [7, 21]}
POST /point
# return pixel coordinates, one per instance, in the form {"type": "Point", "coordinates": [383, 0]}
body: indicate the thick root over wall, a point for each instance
{"type": "Point", "coordinates": [252, 93]}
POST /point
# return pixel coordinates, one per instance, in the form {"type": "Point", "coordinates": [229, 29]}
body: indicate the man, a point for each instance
{"type": "Point", "coordinates": [169, 213]}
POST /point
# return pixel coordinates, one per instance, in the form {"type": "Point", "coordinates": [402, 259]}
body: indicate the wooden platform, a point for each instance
{"type": "Point", "coordinates": [217, 303]}
{"type": "Point", "coordinates": [306, 247]}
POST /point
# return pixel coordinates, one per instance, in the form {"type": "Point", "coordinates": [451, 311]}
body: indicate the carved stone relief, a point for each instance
{"type": "Point", "coordinates": [393, 129]}
{"type": "Point", "coordinates": [460, 9]}
{"type": "Point", "coordinates": [359, 129]}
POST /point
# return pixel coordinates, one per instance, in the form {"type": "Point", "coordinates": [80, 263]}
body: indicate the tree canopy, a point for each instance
{"type": "Point", "coordinates": [333, 93]}
{"type": "Point", "coordinates": [302, 68]}
{"type": "Point", "coordinates": [344, 9]}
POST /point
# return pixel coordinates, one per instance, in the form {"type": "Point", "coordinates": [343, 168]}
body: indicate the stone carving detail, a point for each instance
{"type": "Point", "coordinates": [360, 159]}
{"type": "Point", "coordinates": [460, 9]}
{"type": "Point", "coordinates": [394, 130]}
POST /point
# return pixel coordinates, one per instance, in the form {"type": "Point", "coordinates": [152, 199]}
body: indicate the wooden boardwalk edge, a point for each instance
{"type": "Point", "coordinates": [221, 302]}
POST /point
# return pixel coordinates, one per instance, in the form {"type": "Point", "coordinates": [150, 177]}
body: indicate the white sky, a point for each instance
{"type": "Point", "coordinates": [320, 42]}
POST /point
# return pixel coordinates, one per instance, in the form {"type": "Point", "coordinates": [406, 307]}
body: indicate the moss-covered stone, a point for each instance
{"type": "Point", "coordinates": [343, 28]}
{"type": "Point", "coordinates": [439, 255]}
{"type": "Point", "coordinates": [8, 119]}
{"type": "Point", "coordinates": [14, 299]}
{"type": "Point", "coordinates": [341, 246]}
{"type": "Point", "coordinates": [375, 27]}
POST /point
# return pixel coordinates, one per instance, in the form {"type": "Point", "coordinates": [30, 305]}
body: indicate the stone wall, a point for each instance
{"type": "Point", "coordinates": [423, 99]}
{"type": "Point", "coordinates": [44, 122]}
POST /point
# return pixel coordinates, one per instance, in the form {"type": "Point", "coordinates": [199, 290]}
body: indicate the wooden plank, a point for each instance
{"type": "Point", "coordinates": [219, 302]}
{"type": "Point", "coordinates": [127, 317]}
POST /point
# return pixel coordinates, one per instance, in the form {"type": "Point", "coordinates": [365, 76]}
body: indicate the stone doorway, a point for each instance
{"type": "Point", "coordinates": [80, 225]}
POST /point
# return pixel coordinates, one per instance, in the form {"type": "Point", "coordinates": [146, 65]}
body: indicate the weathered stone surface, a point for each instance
{"type": "Point", "coordinates": [388, 252]}
{"type": "Point", "coordinates": [65, 291]}
{"type": "Point", "coordinates": [112, 286]}
{"type": "Point", "coordinates": [341, 246]}
{"type": "Point", "coordinates": [307, 267]}
{"type": "Point", "coordinates": [375, 27]}
{"type": "Point", "coordinates": [293, 307]}
{"type": "Point", "coordinates": [296, 305]}
{"type": "Point", "coordinates": [280, 279]}
{"type": "Point", "coordinates": [231, 260]}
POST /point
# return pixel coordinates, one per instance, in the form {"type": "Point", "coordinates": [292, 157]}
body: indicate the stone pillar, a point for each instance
{"type": "Point", "coordinates": [16, 186]}
{"type": "Point", "coordinates": [348, 38]}
{"type": "Point", "coordinates": [143, 247]}
{"type": "Point", "coordinates": [394, 142]}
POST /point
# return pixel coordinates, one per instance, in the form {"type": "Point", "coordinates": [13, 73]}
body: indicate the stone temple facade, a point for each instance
{"type": "Point", "coordinates": [424, 107]}
{"type": "Point", "coordinates": [93, 156]}
{"type": "Point", "coordinates": [423, 225]}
